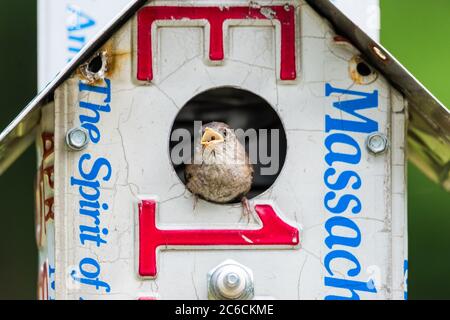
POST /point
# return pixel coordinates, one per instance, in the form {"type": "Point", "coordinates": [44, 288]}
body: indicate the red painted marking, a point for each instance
{"type": "Point", "coordinates": [274, 232]}
{"type": "Point", "coordinates": [48, 174]}
{"type": "Point", "coordinates": [44, 187]}
{"type": "Point", "coordinates": [216, 17]}
{"type": "Point", "coordinates": [50, 214]}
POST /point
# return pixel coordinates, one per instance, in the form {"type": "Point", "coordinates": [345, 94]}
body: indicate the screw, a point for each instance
{"type": "Point", "coordinates": [377, 143]}
{"type": "Point", "coordinates": [230, 281]}
{"type": "Point", "coordinates": [77, 139]}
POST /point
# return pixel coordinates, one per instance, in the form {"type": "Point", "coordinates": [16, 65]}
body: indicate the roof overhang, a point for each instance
{"type": "Point", "coordinates": [429, 119]}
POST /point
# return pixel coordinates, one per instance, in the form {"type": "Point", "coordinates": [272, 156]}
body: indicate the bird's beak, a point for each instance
{"type": "Point", "coordinates": [210, 137]}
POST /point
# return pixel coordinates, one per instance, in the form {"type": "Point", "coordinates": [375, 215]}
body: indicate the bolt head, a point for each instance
{"type": "Point", "coordinates": [230, 281]}
{"type": "Point", "coordinates": [77, 139]}
{"type": "Point", "coordinates": [377, 143]}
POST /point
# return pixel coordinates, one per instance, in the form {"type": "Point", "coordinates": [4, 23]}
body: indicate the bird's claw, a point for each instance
{"type": "Point", "coordinates": [195, 203]}
{"type": "Point", "coordinates": [247, 210]}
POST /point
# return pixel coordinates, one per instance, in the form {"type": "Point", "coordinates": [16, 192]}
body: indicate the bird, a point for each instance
{"type": "Point", "coordinates": [221, 172]}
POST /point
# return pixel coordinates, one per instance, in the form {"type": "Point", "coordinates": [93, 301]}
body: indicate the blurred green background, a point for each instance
{"type": "Point", "coordinates": [416, 31]}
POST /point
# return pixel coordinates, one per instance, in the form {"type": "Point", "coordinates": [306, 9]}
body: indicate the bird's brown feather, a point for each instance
{"type": "Point", "coordinates": [225, 174]}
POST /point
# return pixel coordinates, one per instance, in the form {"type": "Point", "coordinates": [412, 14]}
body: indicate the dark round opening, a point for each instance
{"type": "Point", "coordinates": [243, 110]}
{"type": "Point", "coordinates": [96, 64]}
{"type": "Point", "coordinates": [364, 69]}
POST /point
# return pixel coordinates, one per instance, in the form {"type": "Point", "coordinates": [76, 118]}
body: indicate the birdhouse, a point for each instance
{"type": "Point", "coordinates": [228, 150]}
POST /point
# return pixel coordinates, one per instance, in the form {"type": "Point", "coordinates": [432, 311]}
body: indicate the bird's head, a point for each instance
{"type": "Point", "coordinates": [220, 145]}
{"type": "Point", "coordinates": [214, 135]}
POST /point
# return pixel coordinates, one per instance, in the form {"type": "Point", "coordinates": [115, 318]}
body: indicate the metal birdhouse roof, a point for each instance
{"type": "Point", "coordinates": [429, 119]}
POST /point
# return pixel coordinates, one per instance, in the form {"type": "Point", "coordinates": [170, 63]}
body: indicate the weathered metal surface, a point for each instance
{"type": "Point", "coordinates": [348, 204]}
{"type": "Point", "coordinates": [350, 211]}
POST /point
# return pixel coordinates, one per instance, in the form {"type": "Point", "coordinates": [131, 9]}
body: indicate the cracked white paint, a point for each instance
{"type": "Point", "coordinates": [135, 140]}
